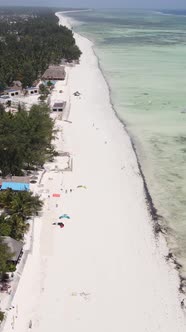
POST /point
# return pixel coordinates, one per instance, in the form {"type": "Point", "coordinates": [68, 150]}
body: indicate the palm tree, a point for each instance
{"type": "Point", "coordinates": [22, 203]}
{"type": "Point", "coordinates": [17, 208]}
{"type": "Point", "coordinates": [5, 256]}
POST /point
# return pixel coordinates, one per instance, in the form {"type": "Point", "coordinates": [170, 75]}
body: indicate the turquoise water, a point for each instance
{"type": "Point", "coordinates": [143, 56]}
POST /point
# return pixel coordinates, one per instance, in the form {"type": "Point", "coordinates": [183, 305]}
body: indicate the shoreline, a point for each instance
{"type": "Point", "coordinates": [153, 212]}
{"type": "Point", "coordinates": [157, 227]}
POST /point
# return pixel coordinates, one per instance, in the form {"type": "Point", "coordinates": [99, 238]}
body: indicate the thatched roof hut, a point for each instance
{"type": "Point", "coordinates": [54, 73]}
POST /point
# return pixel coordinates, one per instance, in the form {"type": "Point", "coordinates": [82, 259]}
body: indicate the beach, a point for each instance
{"type": "Point", "coordinates": [142, 56]}
{"type": "Point", "coordinates": [104, 270]}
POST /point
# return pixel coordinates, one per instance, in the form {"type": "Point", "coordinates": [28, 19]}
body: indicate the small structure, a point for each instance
{"type": "Point", "coordinates": [17, 183]}
{"type": "Point", "coordinates": [16, 248]}
{"type": "Point", "coordinates": [13, 92]}
{"type": "Point", "coordinates": [77, 94]}
{"type": "Point", "coordinates": [18, 179]}
{"type": "Point", "coordinates": [16, 186]}
{"type": "Point", "coordinates": [58, 107]}
{"type": "Point", "coordinates": [32, 90]}
{"type": "Point", "coordinates": [16, 84]}
{"type": "Point", "coordinates": [5, 100]}
{"type": "Point", "coordinates": [54, 73]}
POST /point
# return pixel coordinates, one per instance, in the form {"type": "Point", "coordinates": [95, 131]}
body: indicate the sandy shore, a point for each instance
{"type": "Point", "coordinates": [103, 271]}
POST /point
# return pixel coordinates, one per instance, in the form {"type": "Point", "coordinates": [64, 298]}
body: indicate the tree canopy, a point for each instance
{"type": "Point", "coordinates": [16, 208]}
{"type": "Point", "coordinates": [28, 45]}
{"type": "Point", "coordinates": [25, 139]}
{"type": "Point", "coordinates": [5, 256]}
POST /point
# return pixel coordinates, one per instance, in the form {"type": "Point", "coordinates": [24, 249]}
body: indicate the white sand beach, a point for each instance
{"type": "Point", "coordinates": [104, 271]}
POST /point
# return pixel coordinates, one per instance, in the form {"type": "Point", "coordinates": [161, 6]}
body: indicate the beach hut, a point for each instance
{"type": "Point", "coordinates": [13, 92]}
{"type": "Point", "coordinates": [32, 90]}
{"type": "Point", "coordinates": [5, 100]}
{"type": "Point", "coordinates": [16, 248]}
{"type": "Point", "coordinates": [58, 107]}
{"type": "Point", "coordinates": [54, 73]}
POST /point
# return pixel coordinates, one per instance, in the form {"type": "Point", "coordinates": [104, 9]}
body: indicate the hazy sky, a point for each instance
{"type": "Point", "coordinates": [177, 4]}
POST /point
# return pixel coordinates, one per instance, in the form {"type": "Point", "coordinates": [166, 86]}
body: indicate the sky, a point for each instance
{"type": "Point", "coordinates": [166, 4]}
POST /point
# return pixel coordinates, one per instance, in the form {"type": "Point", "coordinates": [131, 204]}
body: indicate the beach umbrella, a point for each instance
{"type": "Point", "coordinates": [64, 216]}
{"type": "Point", "coordinates": [82, 187]}
{"type": "Point", "coordinates": [56, 195]}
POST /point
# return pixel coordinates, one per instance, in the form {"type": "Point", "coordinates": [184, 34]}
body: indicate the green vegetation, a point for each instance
{"type": "Point", "coordinates": [17, 207]}
{"type": "Point", "coordinates": [25, 139]}
{"type": "Point", "coordinates": [2, 314]}
{"type": "Point", "coordinates": [5, 256]}
{"type": "Point", "coordinates": [25, 143]}
{"type": "Point", "coordinates": [44, 91]}
{"type": "Point", "coordinates": [29, 43]}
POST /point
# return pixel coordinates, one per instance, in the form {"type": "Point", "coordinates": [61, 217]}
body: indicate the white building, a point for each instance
{"type": "Point", "coordinates": [5, 99]}
{"type": "Point", "coordinates": [32, 90]}
{"type": "Point", "coordinates": [59, 107]}
{"type": "Point", "coordinates": [13, 92]}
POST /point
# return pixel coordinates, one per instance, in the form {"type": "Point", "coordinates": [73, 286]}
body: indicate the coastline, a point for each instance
{"type": "Point", "coordinates": [104, 270]}
{"type": "Point", "coordinates": [159, 232]}
{"type": "Point", "coordinates": [152, 209]}
{"type": "Point", "coordinates": [157, 227]}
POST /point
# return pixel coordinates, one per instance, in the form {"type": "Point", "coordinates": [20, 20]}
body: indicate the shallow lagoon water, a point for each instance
{"type": "Point", "coordinates": [143, 56]}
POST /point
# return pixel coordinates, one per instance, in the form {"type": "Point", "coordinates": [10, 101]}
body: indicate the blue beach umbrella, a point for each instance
{"type": "Point", "coordinates": [64, 216]}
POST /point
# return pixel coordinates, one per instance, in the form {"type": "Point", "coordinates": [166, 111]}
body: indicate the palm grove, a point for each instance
{"type": "Point", "coordinates": [29, 42]}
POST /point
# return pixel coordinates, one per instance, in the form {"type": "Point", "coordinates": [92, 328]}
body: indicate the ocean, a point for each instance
{"type": "Point", "coordinates": [143, 57]}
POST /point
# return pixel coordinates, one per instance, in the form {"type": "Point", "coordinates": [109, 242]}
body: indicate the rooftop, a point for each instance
{"type": "Point", "coordinates": [59, 104]}
{"type": "Point", "coordinates": [54, 72]}
{"type": "Point", "coordinates": [19, 179]}
{"type": "Point", "coordinates": [5, 97]}
{"type": "Point", "coordinates": [32, 88]}
{"type": "Point", "coordinates": [12, 90]}
{"type": "Point", "coordinates": [17, 186]}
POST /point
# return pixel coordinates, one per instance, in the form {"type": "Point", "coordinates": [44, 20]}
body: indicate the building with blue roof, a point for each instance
{"type": "Point", "coordinates": [16, 186]}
